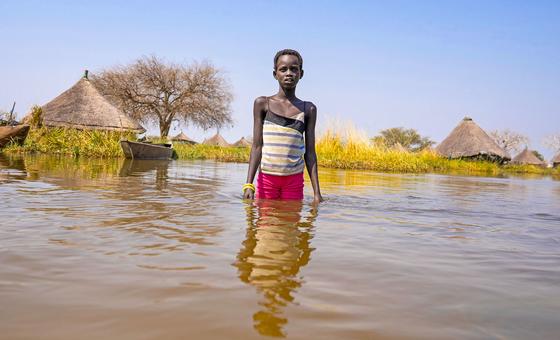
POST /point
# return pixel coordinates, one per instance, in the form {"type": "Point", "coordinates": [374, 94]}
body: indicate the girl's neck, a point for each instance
{"type": "Point", "coordinates": [289, 94]}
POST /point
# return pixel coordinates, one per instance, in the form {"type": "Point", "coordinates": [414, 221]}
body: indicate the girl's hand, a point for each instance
{"type": "Point", "coordinates": [248, 194]}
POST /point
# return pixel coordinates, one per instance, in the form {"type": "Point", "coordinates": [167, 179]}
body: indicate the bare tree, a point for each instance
{"type": "Point", "coordinates": [510, 141]}
{"type": "Point", "coordinates": [153, 91]}
{"type": "Point", "coordinates": [552, 142]}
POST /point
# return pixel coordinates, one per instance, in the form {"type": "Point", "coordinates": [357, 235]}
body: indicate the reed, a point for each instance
{"type": "Point", "coordinates": [201, 151]}
{"type": "Point", "coordinates": [72, 142]}
{"type": "Point", "coordinates": [340, 145]}
{"type": "Point", "coordinates": [344, 146]}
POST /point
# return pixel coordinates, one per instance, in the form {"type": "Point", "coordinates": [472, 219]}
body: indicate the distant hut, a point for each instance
{"type": "Point", "coordinates": [83, 107]}
{"type": "Point", "coordinates": [527, 157]}
{"type": "Point", "coordinates": [216, 140]}
{"type": "Point", "coordinates": [556, 160]}
{"type": "Point", "coordinates": [468, 140]}
{"type": "Point", "coordinates": [243, 143]}
{"type": "Point", "coordinates": [184, 139]}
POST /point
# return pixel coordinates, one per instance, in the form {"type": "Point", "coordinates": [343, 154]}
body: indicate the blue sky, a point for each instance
{"type": "Point", "coordinates": [417, 64]}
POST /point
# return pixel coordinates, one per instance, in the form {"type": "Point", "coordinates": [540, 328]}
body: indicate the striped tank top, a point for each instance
{"type": "Point", "coordinates": [283, 144]}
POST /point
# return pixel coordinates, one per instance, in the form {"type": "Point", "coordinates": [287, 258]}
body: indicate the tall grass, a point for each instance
{"type": "Point", "coordinates": [344, 146]}
{"type": "Point", "coordinates": [72, 142]}
{"type": "Point", "coordinates": [340, 145]}
{"type": "Point", "coordinates": [201, 151]}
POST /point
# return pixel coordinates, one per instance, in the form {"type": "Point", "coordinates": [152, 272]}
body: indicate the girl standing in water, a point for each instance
{"type": "Point", "coordinates": [283, 137]}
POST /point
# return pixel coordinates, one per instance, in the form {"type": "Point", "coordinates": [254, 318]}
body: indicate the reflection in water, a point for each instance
{"type": "Point", "coordinates": [11, 162]}
{"type": "Point", "coordinates": [7, 167]}
{"type": "Point", "coordinates": [66, 171]}
{"type": "Point", "coordinates": [160, 206]}
{"type": "Point", "coordinates": [131, 167]}
{"type": "Point", "coordinates": [276, 247]}
{"type": "Point", "coordinates": [117, 249]}
{"type": "Point", "coordinates": [360, 180]}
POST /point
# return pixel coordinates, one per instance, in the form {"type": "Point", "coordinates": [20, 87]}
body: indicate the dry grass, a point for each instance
{"type": "Point", "coordinates": [340, 146]}
{"type": "Point", "coordinates": [219, 153]}
{"type": "Point", "coordinates": [346, 147]}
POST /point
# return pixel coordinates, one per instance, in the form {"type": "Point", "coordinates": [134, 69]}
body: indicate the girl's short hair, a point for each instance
{"type": "Point", "coordinates": [288, 52]}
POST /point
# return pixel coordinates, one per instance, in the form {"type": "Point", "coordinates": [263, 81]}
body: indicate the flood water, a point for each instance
{"type": "Point", "coordinates": [114, 249]}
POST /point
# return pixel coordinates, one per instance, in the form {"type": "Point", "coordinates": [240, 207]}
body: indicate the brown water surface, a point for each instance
{"type": "Point", "coordinates": [115, 249]}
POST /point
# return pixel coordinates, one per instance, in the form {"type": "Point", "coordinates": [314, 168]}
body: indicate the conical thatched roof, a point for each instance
{"type": "Point", "coordinates": [556, 160]}
{"type": "Point", "coordinates": [83, 107]}
{"type": "Point", "coordinates": [469, 140]}
{"type": "Point", "coordinates": [527, 157]}
{"type": "Point", "coordinates": [217, 139]}
{"type": "Point", "coordinates": [182, 138]}
{"type": "Point", "coordinates": [242, 143]}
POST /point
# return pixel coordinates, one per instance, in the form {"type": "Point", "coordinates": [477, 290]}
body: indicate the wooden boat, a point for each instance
{"type": "Point", "coordinates": [140, 150]}
{"type": "Point", "coordinates": [16, 133]}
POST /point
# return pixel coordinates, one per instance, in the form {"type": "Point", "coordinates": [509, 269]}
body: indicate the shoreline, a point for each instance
{"type": "Point", "coordinates": [332, 152]}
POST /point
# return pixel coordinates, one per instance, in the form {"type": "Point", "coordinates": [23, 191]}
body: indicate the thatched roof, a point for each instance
{"type": "Point", "coordinates": [83, 107]}
{"type": "Point", "coordinates": [469, 140]}
{"type": "Point", "coordinates": [217, 139]}
{"type": "Point", "coordinates": [182, 138]}
{"type": "Point", "coordinates": [242, 143]}
{"type": "Point", "coordinates": [527, 157]}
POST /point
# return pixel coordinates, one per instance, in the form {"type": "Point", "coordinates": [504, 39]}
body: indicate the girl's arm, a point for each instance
{"type": "Point", "coordinates": [256, 148]}
{"type": "Point", "coordinates": [310, 155]}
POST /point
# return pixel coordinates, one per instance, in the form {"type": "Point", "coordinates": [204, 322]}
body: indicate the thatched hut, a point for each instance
{"type": "Point", "coordinates": [468, 140]}
{"type": "Point", "coordinates": [83, 107]}
{"type": "Point", "coordinates": [184, 139]}
{"type": "Point", "coordinates": [243, 143]}
{"type": "Point", "coordinates": [556, 160]}
{"type": "Point", "coordinates": [527, 157]}
{"type": "Point", "coordinates": [216, 140]}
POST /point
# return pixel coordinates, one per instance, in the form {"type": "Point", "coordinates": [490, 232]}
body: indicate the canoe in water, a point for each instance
{"type": "Point", "coordinates": [139, 150]}
{"type": "Point", "coordinates": [16, 133]}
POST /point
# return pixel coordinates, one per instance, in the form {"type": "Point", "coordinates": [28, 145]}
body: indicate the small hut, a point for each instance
{"type": "Point", "coordinates": [468, 140]}
{"type": "Point", "coordinates": [183, 139]}
{"type": "Point", "coordinates": [242, 143]}
{"type": "Point", "coordinates": [527, 157]}
{"type": "Point", "coordinates": [83, 107]}
{"type": "Point", "coordinates": [216, 140]}
{"type": "Point", "coordinates": [556, 160]}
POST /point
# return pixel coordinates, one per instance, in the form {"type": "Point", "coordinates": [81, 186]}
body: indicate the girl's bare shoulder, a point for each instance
{"type": "Point", "coordinates": [310, 109]}
{"type": "Point", "coordinates": [260, 105]}
{"type": "Point", "coordinates": [261, 101]}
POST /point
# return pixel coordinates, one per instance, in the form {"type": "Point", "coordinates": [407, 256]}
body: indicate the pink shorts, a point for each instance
{"type": "Point", "coordinates": [283, 187]}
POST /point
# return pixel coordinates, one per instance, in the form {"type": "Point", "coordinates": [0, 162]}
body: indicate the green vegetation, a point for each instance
{"type": "Point", "coordinates": [401, 138]}
{"type": "Point", "coordinates": [334, 152]}
{"type": "Point", "coordinates": [36, 117]}
{"type": "Point", "coordinates": [538, 155]}
{"type": "Point", "coordinates": [72, 142]}
{"type": "Point", "coordinates": [349, 149]}
{"type": "Point", "coordinates": [201, 151]}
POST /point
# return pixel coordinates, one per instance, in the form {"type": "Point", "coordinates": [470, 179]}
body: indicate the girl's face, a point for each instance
{"type": "Point", "coordinates": [288, 71]}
